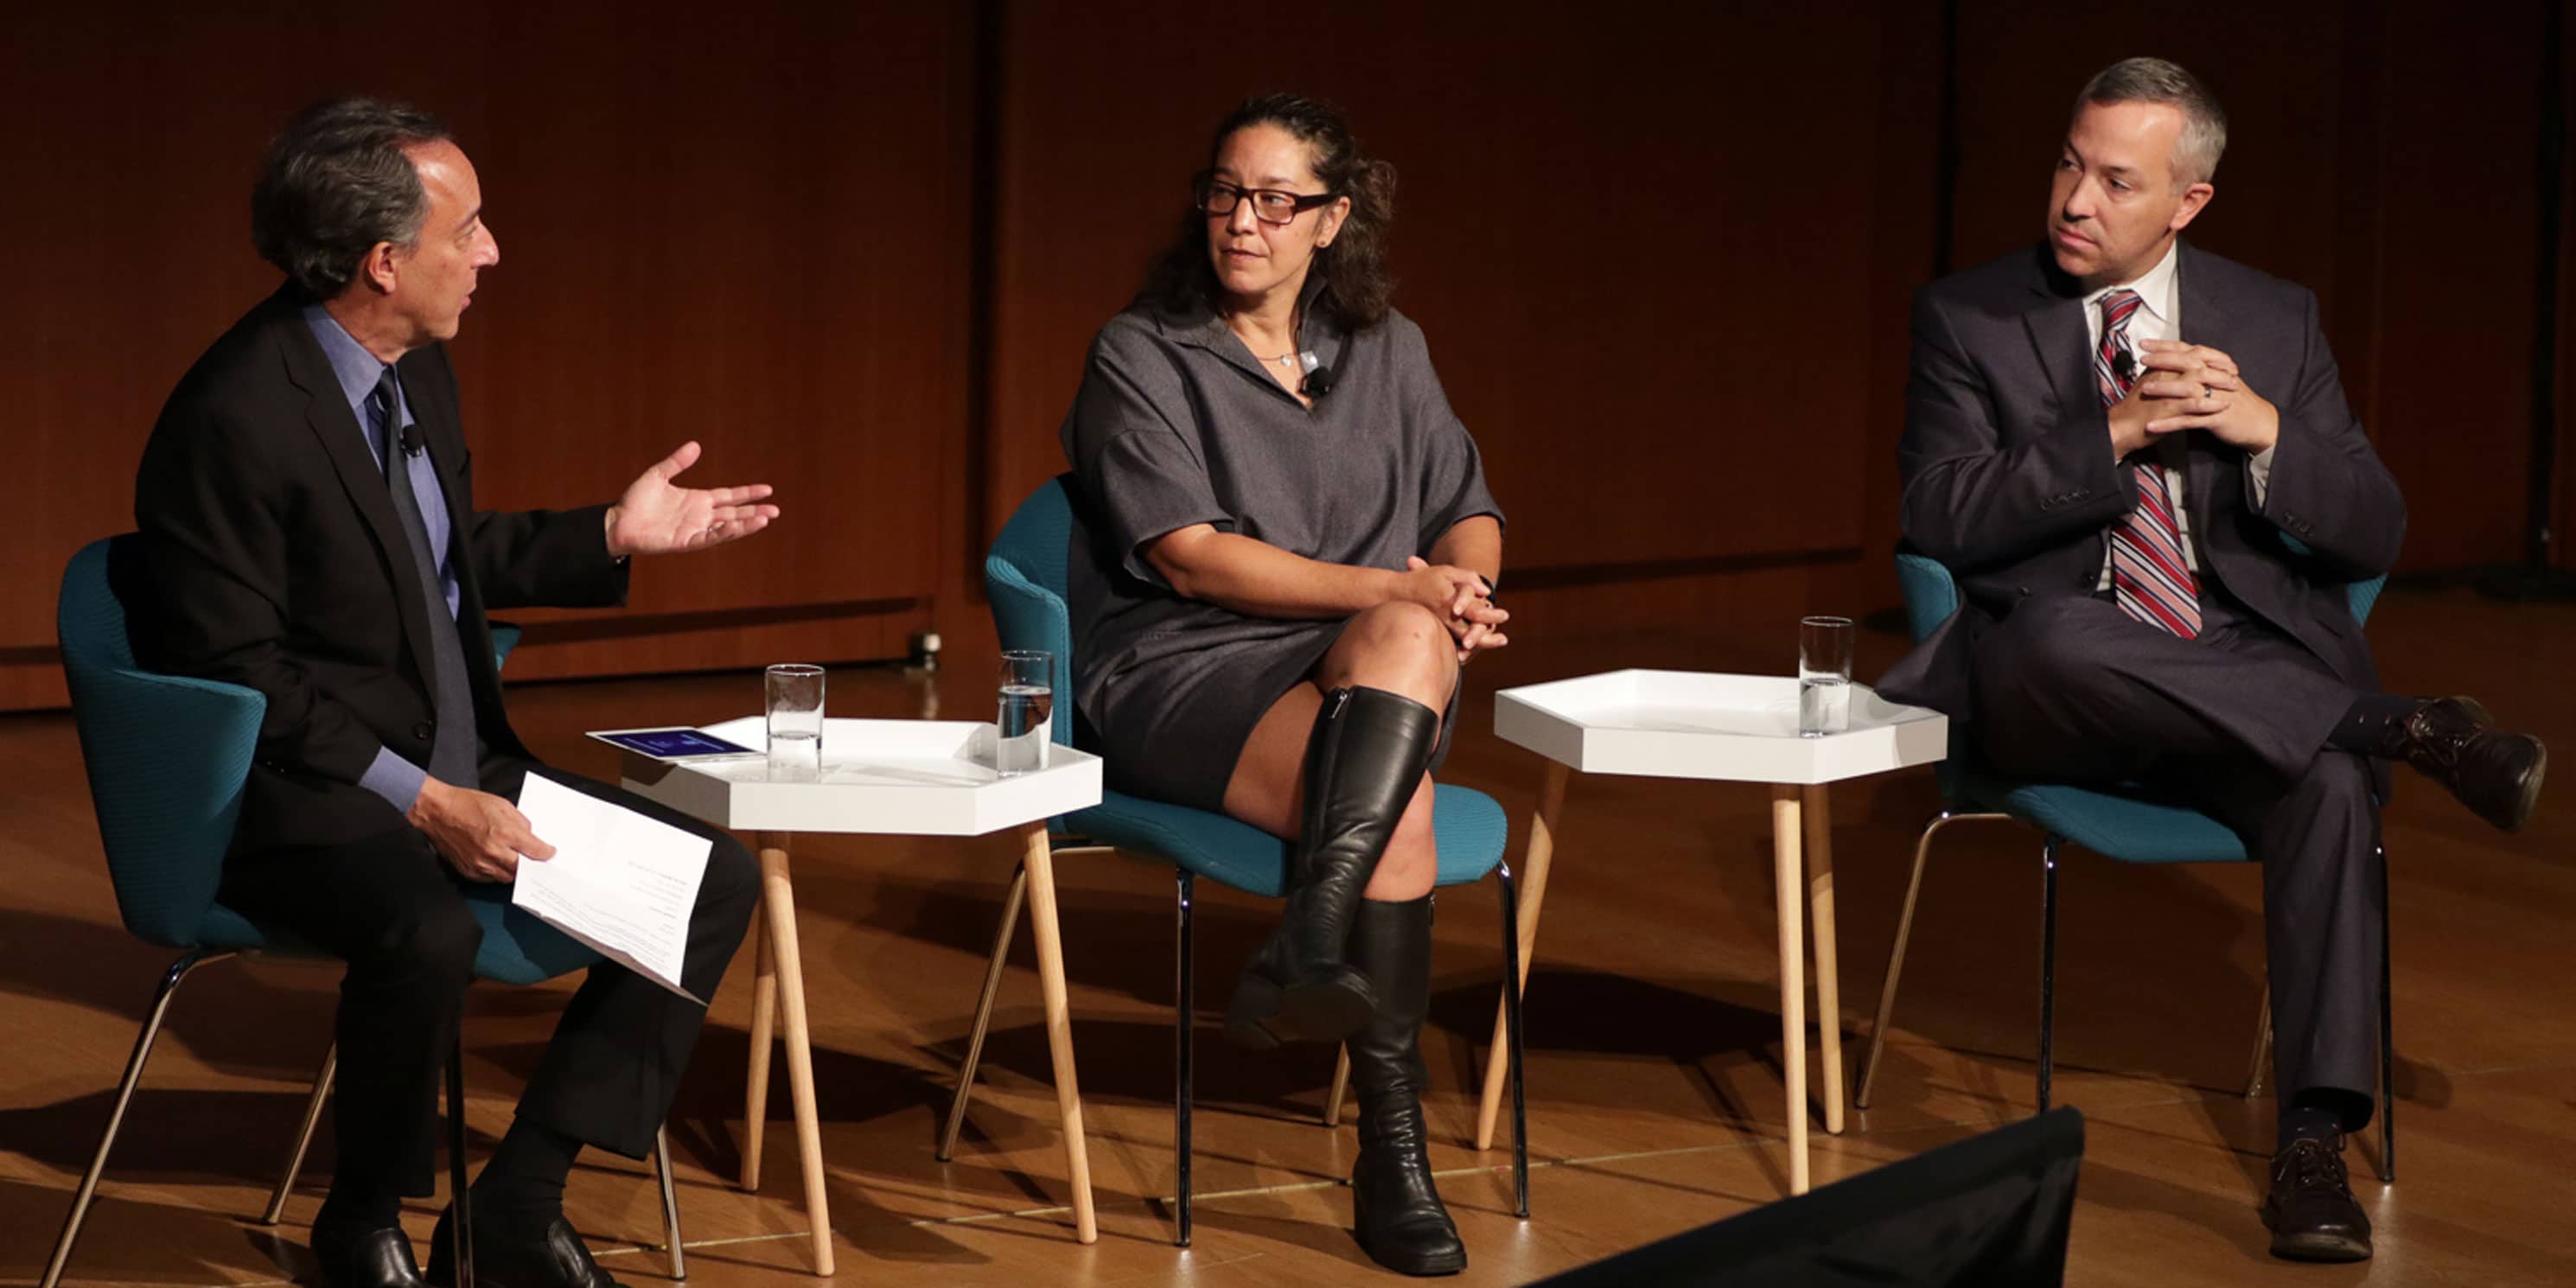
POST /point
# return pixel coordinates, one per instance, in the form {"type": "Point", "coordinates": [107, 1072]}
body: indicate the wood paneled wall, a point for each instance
{"type": "Point", "coordinates": [743, 224]}
{"type": "Point", "coordinates": [1662, 252]}
{"type": "Point", "coordinates": [1643, 303]}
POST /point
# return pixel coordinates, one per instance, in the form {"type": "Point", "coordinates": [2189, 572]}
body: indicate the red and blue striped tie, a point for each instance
{"type": "Point", "coordinates": [2148, 573]}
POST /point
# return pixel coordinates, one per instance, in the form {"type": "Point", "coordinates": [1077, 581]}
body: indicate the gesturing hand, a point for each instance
{"type": "Point", "coordinates": [657, 516]}
{"type": "Point", "coordinates": [2193, 386]}
{"type": "Point", "coordinates": [479, 834]}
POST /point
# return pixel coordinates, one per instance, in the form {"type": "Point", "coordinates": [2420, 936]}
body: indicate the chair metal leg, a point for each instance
{"type": "Point", "coordinates": [1341, 1087]}
{"type": "Point", "coordinates": [303, 1135]}
{"type": "Point", "coordinates": [2262, 1047]}
{"type": "Point", "coordinates": [1512, 1036]}
{"type": "Point", "coordinates": [2047, 963]}
{"type": "Point", "coordinates": [670, 1204]}
{"type": "Point", "coordinates": [1896, 953]}
{"type": "Point", "coordinates": [2387, 1038]}
{"type": "Point", "coordinates": [1185, 1014]}
{"type": "Point", "coordinates": [983, 1014]}
{"type": "Point", "coordinates": [462, 1230]}
{"type": "Point", "coordinates": [170, 981]}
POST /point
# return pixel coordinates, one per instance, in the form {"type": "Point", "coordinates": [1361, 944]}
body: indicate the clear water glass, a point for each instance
{"type": "Point", "coordinates": [1824, 675]}
{"type": "Point", "coordinates": [795, 708]}
{"type": "Point", "coordinates": [1026, 721]}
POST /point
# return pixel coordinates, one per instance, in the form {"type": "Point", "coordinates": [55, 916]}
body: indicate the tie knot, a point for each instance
{"type": "Point", "coordinates": [381, 399]}
{"type": "Point", "coordinates": [2117, 307]}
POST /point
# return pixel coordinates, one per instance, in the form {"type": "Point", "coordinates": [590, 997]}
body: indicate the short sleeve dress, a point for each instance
{"type": "Point", "coordinates": [1177, 424]}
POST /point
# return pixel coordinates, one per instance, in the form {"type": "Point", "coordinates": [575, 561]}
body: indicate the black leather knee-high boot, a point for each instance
{"type": "Point", "coordinates": [1395, 1210]}
{"type": "Point", "coordinates": [1363, 761]}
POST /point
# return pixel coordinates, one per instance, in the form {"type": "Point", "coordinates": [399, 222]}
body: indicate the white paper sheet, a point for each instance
{"type": "Point", "coordinates": [619, 882]}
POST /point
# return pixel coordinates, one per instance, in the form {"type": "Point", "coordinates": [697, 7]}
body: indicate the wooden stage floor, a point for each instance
{"type": "Point", "coordinates": [1653, 1031]}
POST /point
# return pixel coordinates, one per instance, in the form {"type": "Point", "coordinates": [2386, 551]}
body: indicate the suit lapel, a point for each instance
{"type": "Point", "coordinates": [2057, 334]}
{"type": "Point", "coordinates": [327, 414]}
{"type": "Point", "coordinates": [2204, 321]}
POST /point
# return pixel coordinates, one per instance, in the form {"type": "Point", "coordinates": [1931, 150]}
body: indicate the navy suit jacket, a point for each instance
{"type": "Point", "coordinates": [2010, 483]}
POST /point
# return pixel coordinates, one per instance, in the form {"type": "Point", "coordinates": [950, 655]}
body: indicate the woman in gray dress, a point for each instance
{"type": "Point", "coordinates": [1292, 552]}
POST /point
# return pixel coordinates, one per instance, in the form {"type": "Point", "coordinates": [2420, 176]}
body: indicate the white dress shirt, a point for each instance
{"type": "Point", "coordinates": [2159, 317]}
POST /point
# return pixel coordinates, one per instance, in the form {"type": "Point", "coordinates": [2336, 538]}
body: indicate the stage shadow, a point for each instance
{"type": "Point", "coordinates": [262, 1018]}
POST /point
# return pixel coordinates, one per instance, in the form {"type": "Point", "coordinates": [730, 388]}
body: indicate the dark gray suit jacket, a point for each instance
{"type": "Point", "coordinates": [2009, 480]}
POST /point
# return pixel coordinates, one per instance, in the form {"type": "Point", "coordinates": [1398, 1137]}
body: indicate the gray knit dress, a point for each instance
{"type": "Point", "coordinates": [1177, 424]}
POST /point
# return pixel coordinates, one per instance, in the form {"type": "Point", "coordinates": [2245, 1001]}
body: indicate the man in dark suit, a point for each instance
{"type": "Point", "coordinates": [2137, 459]}
{"type": "Point", "coordinates": [307, 528]}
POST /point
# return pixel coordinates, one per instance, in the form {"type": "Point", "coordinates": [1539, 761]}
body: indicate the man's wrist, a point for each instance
{"type": "Point", "coordinates": [608, 532]}
{"type": "Point", "coordinates": [396, 780]}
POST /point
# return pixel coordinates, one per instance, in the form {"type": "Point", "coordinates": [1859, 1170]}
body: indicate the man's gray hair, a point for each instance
{"type": "Point", "coordinates": [337, 181]}
{"type": "Point", "coordinates": [2153, 80]}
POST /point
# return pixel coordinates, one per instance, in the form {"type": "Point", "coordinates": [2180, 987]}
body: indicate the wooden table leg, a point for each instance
{"type": "Point", "coordinates": [1039, 862]}
{"type": "Point", "coordinates": [1820, 907]}
{"type": "Point", "coordinates": [778, 897]}
{"type": "Point", "coordinates": [764, 1012]}
{"type": "Point", "coordinates": [1533, 877]}
{"type": "Point", "coordinates": [1793, 982]}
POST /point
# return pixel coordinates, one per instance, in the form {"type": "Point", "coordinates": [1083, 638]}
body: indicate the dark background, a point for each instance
{"type": "Point", "coordinates": [1663, 253]}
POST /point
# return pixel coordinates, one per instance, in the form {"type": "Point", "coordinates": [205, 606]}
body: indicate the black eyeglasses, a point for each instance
{"type": "Point", "coordinates": [1269, 205]}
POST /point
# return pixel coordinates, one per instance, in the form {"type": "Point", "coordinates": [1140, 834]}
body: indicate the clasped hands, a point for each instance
{"type": "Point", "coordinates": [1464, 602]}
{"type": "Point", "coordinates": [2191, 386]}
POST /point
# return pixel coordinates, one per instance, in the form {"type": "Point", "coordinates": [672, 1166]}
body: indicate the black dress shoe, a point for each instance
{"type": "Point", "coordinates": [2311, 1211]}
{"type": "Point", "coordinates": [378, 1258]}
{"type": "Point", "coordinates": [556, 1259]}
{"type": "Point", "coordinates": [2454, 742]}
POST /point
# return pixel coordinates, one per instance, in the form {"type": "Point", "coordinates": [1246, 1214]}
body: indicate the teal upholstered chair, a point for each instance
{"type": "Point", "coordinates": [167, 757]}
{"type": "Point", "coordinates": [2130, 826]}
{"type": "Point", "coordinates": [1026, 577]}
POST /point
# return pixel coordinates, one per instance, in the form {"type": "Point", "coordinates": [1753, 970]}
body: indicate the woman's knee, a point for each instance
{"type": "Point", "coordinates": [1401, 637]}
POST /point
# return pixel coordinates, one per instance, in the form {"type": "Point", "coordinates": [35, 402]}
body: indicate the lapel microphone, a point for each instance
{"type": "Point", "coordinates": [2125, 366]}
{"type": "Point", "coordinates": [1319, 378]}
{"type": "Point", "coordinates": [411, 440]}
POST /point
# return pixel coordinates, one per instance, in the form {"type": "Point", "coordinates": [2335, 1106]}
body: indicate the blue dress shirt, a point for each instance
{"type": "Point", "coordinates": [390, 776]}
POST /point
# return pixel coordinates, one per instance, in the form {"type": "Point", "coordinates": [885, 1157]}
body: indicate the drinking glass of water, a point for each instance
{"type": "Point", "coordinates": [1824, 675]}
{"type": "Point", "coordinates": [795, 722]}
{"type": "Point", "coordinates": [1027, 720]}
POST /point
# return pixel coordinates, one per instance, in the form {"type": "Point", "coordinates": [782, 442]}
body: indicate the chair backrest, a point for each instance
{"type": "Point", "coordinates": [1026, 577]}
{"type": "Point", "coordinates": [166, 755]}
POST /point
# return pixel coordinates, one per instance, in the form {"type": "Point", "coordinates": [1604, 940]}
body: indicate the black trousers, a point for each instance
{"type": "Point", "coordinates": [2072, 689]}
{"type": "Point", "coordinates": [395, 912]}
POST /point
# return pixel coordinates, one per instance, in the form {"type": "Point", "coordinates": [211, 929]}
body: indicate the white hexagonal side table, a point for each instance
{"type": "Point", "coordinates": [1738, 728]}
{"type": "Point", "coordinates": [885, 777]}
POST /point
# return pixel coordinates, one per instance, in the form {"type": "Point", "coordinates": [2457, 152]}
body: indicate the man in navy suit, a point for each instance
{"type": "Point", "coordinates": [2137, 460]}
{"type": "Point", "coordinates": [307, 529]}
